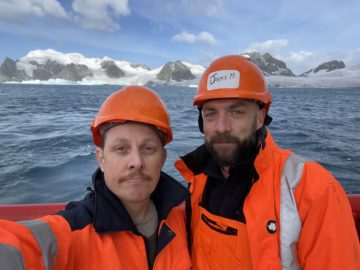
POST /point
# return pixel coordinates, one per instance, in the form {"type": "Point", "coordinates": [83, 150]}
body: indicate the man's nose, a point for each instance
{"type": "Point", "coordinates": [223, 123]}
{"type": "Point", "coordinates": [135, 160]}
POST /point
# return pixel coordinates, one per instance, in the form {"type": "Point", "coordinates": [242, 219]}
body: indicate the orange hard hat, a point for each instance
{"type": "Point", "coordinates": [233, 76]}
{"type": "Point", "coordinates": [133, 103]}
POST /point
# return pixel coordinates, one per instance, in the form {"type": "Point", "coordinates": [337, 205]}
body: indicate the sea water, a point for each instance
{"type": "Point", "coordinates": [47, 154]}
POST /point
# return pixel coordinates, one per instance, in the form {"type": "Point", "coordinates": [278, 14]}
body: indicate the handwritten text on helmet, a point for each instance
{"type": "Point", "coordinates": [223, 79]}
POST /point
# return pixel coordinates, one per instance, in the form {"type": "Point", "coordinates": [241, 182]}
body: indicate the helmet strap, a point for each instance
{"type": "Point", "coordinates": [200, 121]}
{"type": "Point", "coordinates": [261, 134]}
{"type": "Point", "coordinates": [267, 120]}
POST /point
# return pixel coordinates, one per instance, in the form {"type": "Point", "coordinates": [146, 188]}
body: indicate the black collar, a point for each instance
{"type": "Point", "coordinates": [213, 171]}
{"type": "Point", "coordinates": [197, 160]}
{"type": "Point", "coordinates": [105, 211]}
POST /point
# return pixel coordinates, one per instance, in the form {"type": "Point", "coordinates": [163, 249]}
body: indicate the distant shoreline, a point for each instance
{"type": "Point", "coordinates": [288, 84]}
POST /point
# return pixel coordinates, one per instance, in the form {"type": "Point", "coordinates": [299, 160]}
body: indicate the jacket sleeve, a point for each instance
{"type": "Point", "coordinates": [328, 239]}
{"type": "Point", "coordinates": [35, 244]}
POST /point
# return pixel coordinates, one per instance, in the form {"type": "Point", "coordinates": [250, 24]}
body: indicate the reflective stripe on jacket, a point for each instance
{"type": "Point", "coordinates": [297, 217]}
{"type": "Point", "coordinates": [97, 233]}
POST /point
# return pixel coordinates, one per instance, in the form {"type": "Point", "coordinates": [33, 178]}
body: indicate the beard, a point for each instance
{"type": "Point", "coordinates": [239, 150]}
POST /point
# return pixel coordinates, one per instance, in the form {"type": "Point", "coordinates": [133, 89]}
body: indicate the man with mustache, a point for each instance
{"type": "Point", "coordinates": [254, 205]}
{"type": "Point", "coordinates": [131, 219]}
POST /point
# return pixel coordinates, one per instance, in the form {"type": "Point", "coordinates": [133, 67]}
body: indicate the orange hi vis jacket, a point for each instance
{"type": "Point", "coordinates": [97, 233]}
{"type": "Point", "coordinates": [297, 217]}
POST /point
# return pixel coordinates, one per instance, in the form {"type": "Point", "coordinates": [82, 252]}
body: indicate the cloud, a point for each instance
{"type": "Point", "coordinates": [301, 61]}
{"type": "Point", "coordinates": [100, 15]}
{"type": "Point", "coordinates": [15, 10]}
{"type": "Point", "coordinates": [300, 56]}
{"type": "Point", "coordinates": [209, 8]}
{"type": "Point", "coordinates": [270, 46]}
{"type": "Point", "coordinates": [350, 57]}
{"type": "Point", "coordinates": [204, 37]}
{"type": "Point", "coordinates": [298, 61]}
{"type": "Point", "coordinates": [304, 60]}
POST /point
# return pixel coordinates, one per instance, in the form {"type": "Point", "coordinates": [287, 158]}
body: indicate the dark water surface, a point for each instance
{"type": "Point", "coordinates": [47, 155]}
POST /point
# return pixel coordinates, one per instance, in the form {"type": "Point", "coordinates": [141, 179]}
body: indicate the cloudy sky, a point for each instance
{"type": "Point", "coordinates": [303, 33]}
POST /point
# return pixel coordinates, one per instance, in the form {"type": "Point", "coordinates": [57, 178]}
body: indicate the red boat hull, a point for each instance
{"type": "Point", "coordinates": [355, 206]}
{"type": "Point", "coordinates": [17, 212]}
{"type": "Point", "coordinates": [31, 211]}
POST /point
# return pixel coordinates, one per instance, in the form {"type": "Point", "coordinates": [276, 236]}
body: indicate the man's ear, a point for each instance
{"type": "Point", "coordinates": [100, 157]}
{"type": "Point", "coordinates": [260, 118]}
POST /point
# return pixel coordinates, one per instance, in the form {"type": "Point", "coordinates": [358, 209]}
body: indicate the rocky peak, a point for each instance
{"type": "Point", "coordinates": [269, 65]}
{"type": "Point", "coordinates": [176, 71]}
{"type": "Point", "coordinates": [72, 72]}
{"type": "Point", "coordinates": [329, 66]}
{"type": "Point", "coordinates": [9, 71]}
{"type": "Point", "coordinates": [46, 71]}
{"type": "Point", "coordinates": [8, 66]}
{"type": "Point", "coordinates": [140, 66]}
{"type": "Point", "coordinates": [112, 70]}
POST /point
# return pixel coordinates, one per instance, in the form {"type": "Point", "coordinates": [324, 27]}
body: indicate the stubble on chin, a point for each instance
{"type": "Point", "coordinates": [236, 150]}
{"type": "Point", "coordinates": [223, 155]}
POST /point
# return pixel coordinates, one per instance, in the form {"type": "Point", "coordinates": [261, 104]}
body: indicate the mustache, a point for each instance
{"type": "Point", "coordinates": [223, 138]}
{"type": "Point", "coordinates": [135, 175]}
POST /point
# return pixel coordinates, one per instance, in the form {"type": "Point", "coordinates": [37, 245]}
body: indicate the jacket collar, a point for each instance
{"type": "Point", "coordinates": [265, 157]}
{"type": "Point", "coordinates": [197, 160]}
{"type": "Point", "coordinates": [111, 216]}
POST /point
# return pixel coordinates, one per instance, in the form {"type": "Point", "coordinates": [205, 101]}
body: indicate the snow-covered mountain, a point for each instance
{"type": "Point", "coordinates": [269, 65]}
{"type": "Point", "coordinates": [348, 77]}
{"type": "Point", "coordinates": [331, 74]}
{"type": "Point", "coordinates": [327, 66]}
{"type": "Point", "coordinates": [53, 67]}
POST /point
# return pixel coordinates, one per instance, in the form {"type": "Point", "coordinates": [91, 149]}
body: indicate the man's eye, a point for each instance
{"type": "Point", "coordinates": [148, 149]}
{"type": "Point", "coordinates": [120, 148]}
{"type": "Point", "coordinates": [236, 113]}
{"type": "Point", "coordinates": [209, 115]}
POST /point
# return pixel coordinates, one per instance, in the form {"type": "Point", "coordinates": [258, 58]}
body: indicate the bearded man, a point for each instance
{"type": "Point", "coordinates": [254, 205]}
